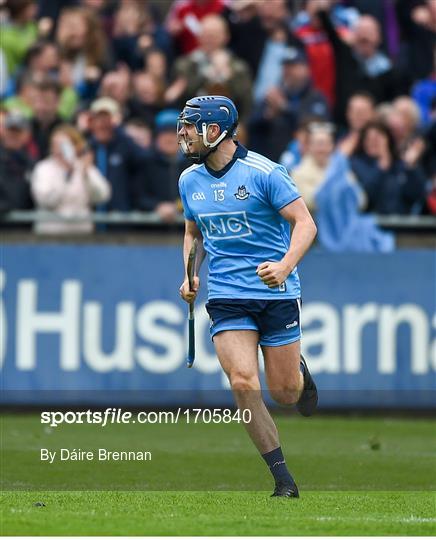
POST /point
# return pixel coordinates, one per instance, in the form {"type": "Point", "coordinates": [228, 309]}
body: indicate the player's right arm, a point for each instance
{"type": "Point", "coordinates": [191, 232]}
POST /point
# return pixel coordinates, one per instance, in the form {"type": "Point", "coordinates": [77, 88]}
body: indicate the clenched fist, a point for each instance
{"type": "Point", "coordinates": [273, 274]}
{"type": "Point", "coordinates": [187, 294]}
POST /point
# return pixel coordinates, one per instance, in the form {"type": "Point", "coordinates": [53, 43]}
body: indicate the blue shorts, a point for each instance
{"type": "Point", "coordinates": [277, 321]}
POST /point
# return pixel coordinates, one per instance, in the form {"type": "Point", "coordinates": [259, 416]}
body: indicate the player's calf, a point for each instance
{"type": "Point", "coordinates": [283, 375]}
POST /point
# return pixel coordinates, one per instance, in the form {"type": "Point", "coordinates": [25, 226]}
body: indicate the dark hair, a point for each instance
{"type": "Point", "coordinates": [363, 94]}
{"type": "Point", "coordinates": [384, 130]}
{"type": "Point", "coordinates": [16, 7]}
{"type": "Point", "coordinates": [36, 49]}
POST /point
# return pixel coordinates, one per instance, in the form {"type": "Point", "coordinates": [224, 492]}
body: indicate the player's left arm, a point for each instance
{"type": "Point", "coordinates": [303, 234]}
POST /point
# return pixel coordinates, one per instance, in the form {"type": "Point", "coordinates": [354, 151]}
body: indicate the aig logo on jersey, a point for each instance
{"type": "Point", "coordinates": [242, 193]}
{"type": "Point", "coordinates": [225, 225]}
{"type": "Point", "coordinates": [198, 196]}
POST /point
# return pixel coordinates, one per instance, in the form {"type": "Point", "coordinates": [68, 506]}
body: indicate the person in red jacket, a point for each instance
{"type": "Point", "coordinates": [183, 21]}
{"type": "Point", "coordinates": [319, 51]}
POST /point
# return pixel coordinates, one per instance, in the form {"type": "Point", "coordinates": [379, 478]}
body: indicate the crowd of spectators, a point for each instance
{"type": "Point", "coordinates": [91, 91]}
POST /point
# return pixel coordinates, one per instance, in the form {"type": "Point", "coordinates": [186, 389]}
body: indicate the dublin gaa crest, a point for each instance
{"type": "Point", "coordinates": [242, 193]}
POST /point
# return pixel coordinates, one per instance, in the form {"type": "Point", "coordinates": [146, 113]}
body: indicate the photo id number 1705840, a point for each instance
{"type": "Point", "coordinates": [217, 416]}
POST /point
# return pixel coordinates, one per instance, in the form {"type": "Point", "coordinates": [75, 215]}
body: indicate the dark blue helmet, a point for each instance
{"type": "Point", "coordinates": [204, 110]}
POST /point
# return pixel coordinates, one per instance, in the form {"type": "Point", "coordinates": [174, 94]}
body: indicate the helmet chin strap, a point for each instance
{"type": "Point", "coordinates": [208, 144]}
{"type": "Point", "coordinates": [212, 146]}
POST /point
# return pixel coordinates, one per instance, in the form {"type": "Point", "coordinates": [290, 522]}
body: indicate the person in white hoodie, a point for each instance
{"type": "Point", "coordinates": [68, 183]}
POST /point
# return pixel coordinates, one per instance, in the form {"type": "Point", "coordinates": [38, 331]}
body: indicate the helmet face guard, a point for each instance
{"type": "Point", "coordinates": [204, 112]}
{"type": "Point", "coordinates": [202, 137]}
{"type": "Point", "coordinates": [184, 142]}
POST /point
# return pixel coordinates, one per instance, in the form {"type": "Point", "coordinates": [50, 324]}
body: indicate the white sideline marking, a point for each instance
{"type": "Point", "coordinates": [411, 519]}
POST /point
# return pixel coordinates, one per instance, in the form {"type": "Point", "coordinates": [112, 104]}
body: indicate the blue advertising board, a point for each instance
{"type": "Point", "coordinates": [101, 319]}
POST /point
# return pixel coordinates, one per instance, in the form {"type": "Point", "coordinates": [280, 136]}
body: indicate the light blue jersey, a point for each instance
{"type": "Point", "coordinates": [237, 211]}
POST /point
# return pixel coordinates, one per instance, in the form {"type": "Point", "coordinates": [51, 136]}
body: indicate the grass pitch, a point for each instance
{"type": "Point", "coordinates": [219, 513]}
{"type": "Point", "coordinates": [357, 476]}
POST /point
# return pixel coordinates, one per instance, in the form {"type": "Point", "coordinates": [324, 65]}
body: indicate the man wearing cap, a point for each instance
{"type": "Point", "coordinates": [275, 120]}
{"type": "Point", "coordinates": [164, 167]}
{"type": "Point", "coordinates": [117, 156]}
{"type": "Point", "coordinates": [15, 164]}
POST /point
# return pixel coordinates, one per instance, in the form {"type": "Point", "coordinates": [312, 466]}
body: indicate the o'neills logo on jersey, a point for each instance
{"type": "Point", "coordinates": [198, 196]}
{"type": "Point", "coordinates": [219, 185]}
{"type": "Point", "coordinates": [242, 193]}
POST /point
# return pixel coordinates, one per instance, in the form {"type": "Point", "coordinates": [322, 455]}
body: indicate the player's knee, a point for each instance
{"type": "Point", "coordinates": [287, 394]}
{"type": "Point", "coordinates": [244, 382]}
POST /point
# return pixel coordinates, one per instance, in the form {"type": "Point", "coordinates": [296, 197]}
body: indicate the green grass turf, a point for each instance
{"type": "Point", "coordinates": [212, 481]}
{"type": "Point", "coordinates": [218, 513]}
